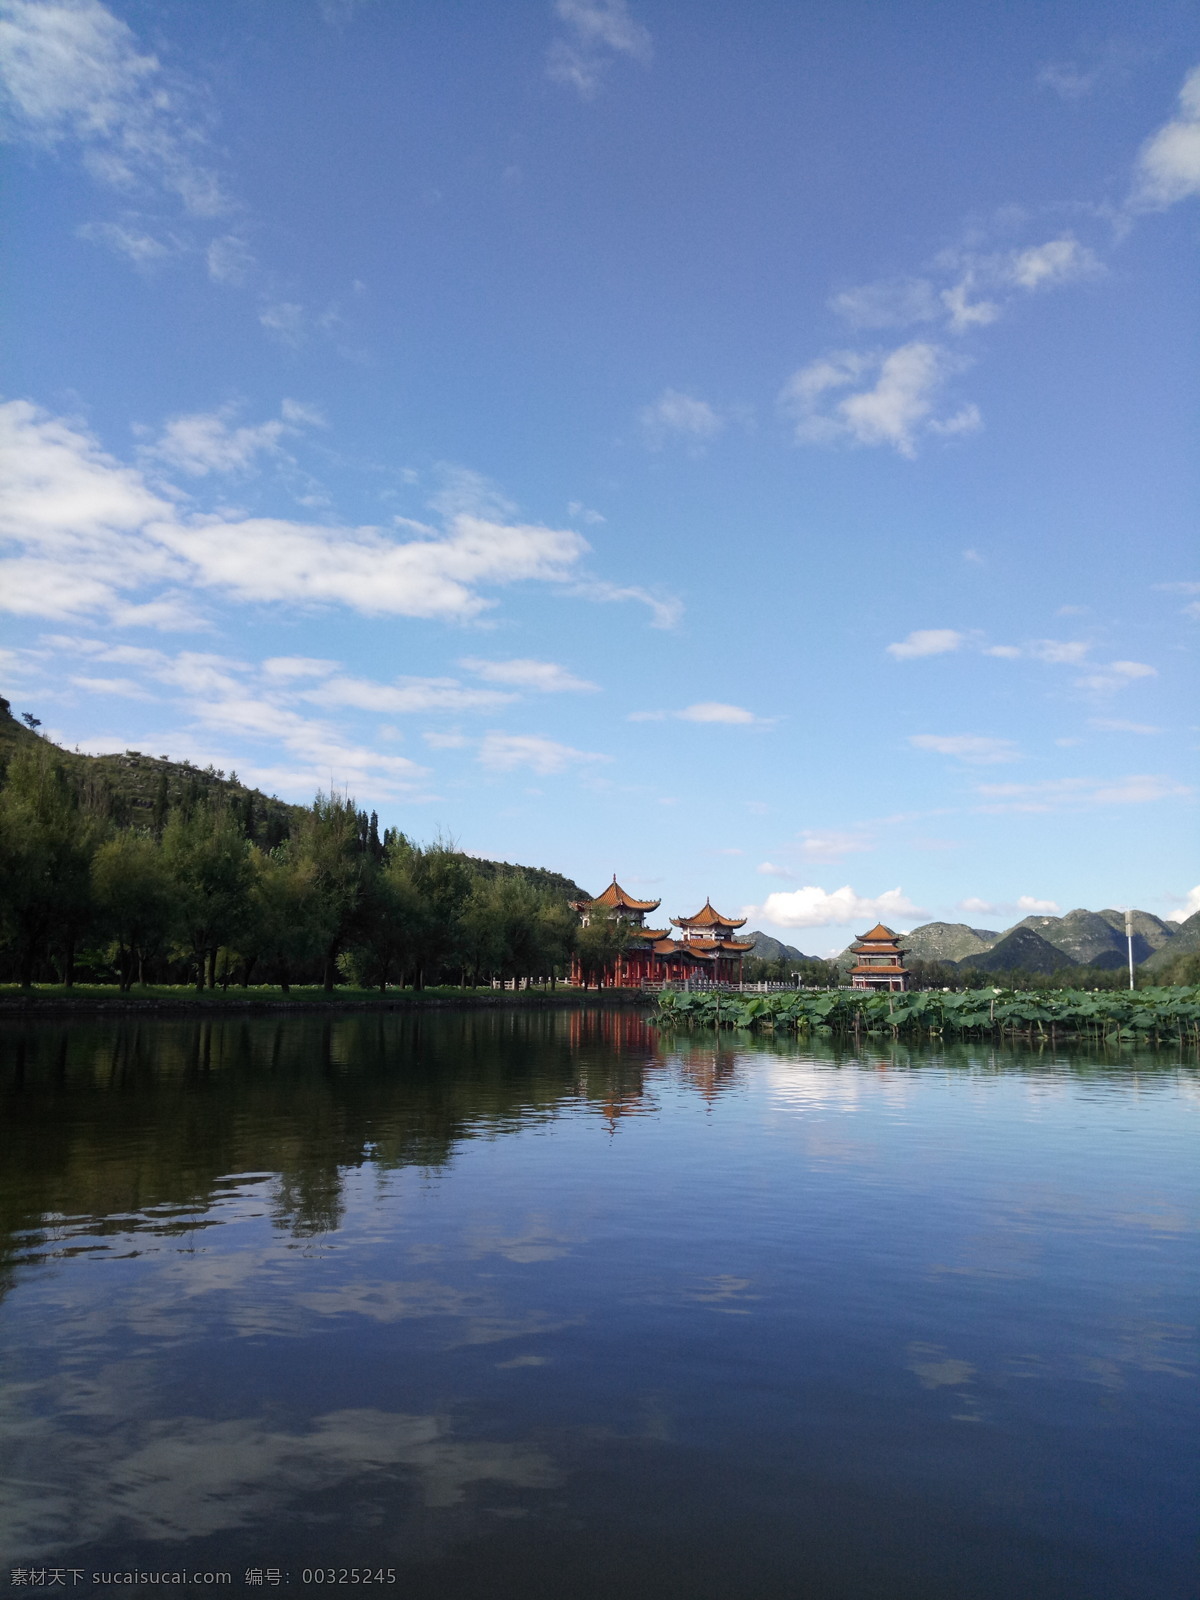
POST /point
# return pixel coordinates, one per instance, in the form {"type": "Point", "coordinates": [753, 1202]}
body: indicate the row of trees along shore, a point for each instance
{"type": "Point", "coordinates": [215, 885]}
{"type": "Point", "coordinates": [196, 894]}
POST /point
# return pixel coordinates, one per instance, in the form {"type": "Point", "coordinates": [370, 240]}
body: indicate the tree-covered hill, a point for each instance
{"type": "Point", "coordinates": [134, 789]}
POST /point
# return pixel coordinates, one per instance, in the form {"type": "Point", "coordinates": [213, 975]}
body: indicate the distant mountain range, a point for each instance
{"type": "Point", "coordinates": [1081, 938]}
{"type": "Point", "coordinates": [768, 949]}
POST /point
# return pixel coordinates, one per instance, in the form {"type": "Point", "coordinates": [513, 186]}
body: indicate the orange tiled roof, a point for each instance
{"type": "Point", "coordinates": [615, 898]}
{"type": "Point", "coordinates": [878, 935]}
{"type": "Point", "coordinates": [720, 946]}
{"type": "Point", "coordinates": [706, 917]}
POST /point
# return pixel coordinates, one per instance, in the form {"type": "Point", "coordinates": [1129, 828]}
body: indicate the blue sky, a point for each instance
{"type": "Point", "coordinates": [751, 450]}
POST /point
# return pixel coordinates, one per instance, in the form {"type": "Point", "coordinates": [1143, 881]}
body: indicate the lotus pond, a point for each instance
{"type": "Point", "coordinates": [1151, 1016]}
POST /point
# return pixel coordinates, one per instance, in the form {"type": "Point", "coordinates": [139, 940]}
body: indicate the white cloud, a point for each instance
{"type": "Point", "coordinates": [545, 676]}
{"type": "Point", "coordinates": [287, 668]}
{"type": "Point", "coordinates": [1068, 794]}
{"type": "Point", "coordinates": [769, 870]}
{"type": "Point", "coordinates": [596, 31]}
{"type": "Point", "coordinates": [926, 642]}
{"type": "Point", "coordinates": [445, 741]}
{"type": "Point", "coordinates": [1188, 909]}
{"type": "Point", "coordinates": [816, 908]}
{"type": "Point", "coordinates": [229, 259]}
{"type": "Point", "coordinates": [891, 304]}
{"type": "Point", "coordinates": [1168, 166]}
{"type": "Point", "coordinates": [142, 248]}
{"type": "Point", "coordinates": [582, 513]}
{"type": "Point", "coordinates": [461, 490]}
{"type": "Point", "coordinates": [1028, 903]}
{"type": "Point", "coordinates": [832, 846]}
{"type": "Point", "coordinates": [406, 695]}
{"type": "Point", "coordinates": [704, 711]}
{"type": "Point", "coordinates": [962, 311]}
{"type": "Point", "coordinates": [678, 416]}
{"type": "Point", "coordinates": [1116, 725]}
{"type": "Point", "coordinates": [84, 529]}
{"type": "Point", "coordinates": [502, 752]}
{"type": "Point", "coordinates": [975, 749]}
{"type": "Point", "coordinates": [286, 320]}
{"type": "Point", "coordinates": [206, 441]}
{"type": "Point", "coordinates": [665, 612]}
{"type": "Point", "coordinates": [71, 73]}
{"type": "Point", "coordinates": [1116, 675]}
{"type": "Point", "coordinates": [972, 903]}
{"type": "Point", "coordinates": [1058, 261]}
{"type": "Point", "coordinates": [716, 711]}
{"type": "Point", "coordinates": [1055, 652]}
{"type": "Point", "coordinates": [124, 687]}
{"type": "Point", "coordinates": [238, 707]}
{"type": "Point", "coordinates": [896, 407]}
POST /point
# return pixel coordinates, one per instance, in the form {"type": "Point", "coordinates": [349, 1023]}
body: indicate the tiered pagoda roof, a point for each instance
{"type": "Point", "coordinates": [615, 898]}
{"type": "Point", "coordinates": [877, 953]}
{"type": "Point", "coordinates": [879, 941]}
{"type": "Point", "coordinates": [707, 917]}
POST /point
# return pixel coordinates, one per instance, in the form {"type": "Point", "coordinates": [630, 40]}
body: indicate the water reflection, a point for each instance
{"type": "Point", "coordinates": [552, 1302]}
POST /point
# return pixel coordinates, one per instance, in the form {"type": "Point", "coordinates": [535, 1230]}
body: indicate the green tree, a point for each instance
{"type": "Point", "coordinates": [331, 851]}
{"type": "Point", "coordinates": [600, 943]}
{"type": "Point", "coordinates": [133, 896]}
{"type": "Point", "coordinates": [444, 881]}
{"type": "Point", "coordinates": [208, 861]}
{"type": "Point", "coordinates": [281, 929]}
{"type": "Point", "coordinates": [46, 844]}
{"type": "Point", "coordinates": [392, 920]}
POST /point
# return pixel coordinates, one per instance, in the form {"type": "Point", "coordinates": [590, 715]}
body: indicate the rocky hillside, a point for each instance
{"type": "Point", "coordinates": [768, 949]}
{"type": "Point", "coordinates": [1097, 938]}
{"type": "Point", "coordinates": [1185, 941]}
{"type": "Point", "coordinates": [948, 941]}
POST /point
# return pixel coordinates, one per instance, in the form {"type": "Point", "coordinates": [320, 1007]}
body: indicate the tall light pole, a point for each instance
{"type": "Point", "coordinates": [1129, 942]}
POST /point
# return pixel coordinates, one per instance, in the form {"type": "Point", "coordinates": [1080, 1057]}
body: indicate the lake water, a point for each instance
{"type": "Point", "coordinates": [525, 1305]}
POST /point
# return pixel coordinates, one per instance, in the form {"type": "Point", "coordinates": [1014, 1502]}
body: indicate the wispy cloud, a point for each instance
{"type": "Point", "coordinates": [595, 34]}
{"type": "Point", "coordinates": [546, 677]}
{"type": "Point", "coordinates": [709, 711]}
{"type": "Point", "coordinates": [1168, 166]}
{"type": "Point", "coordinates": [675, 416]}
{"type": "Point", "coordinates": [72, 75]}
{"type": "Point", "coordinates": [665, 610]}
{"type": "Point", "coordinates": [231, 709]}
{"type": "Point", "coordinates": [1116, 725]}
{"type": "Point", "coordinates": [503, 752]}
{"type": "Point", "coordinates": [974, 749]}
{"type": "Point", "coordinates": [85, 530]}
{"type": "Point", "coordinates": [1066, 794]}
{"type": "Point", "coordinates": [207, 442]}
{"type": "Point", "coordinates": [1026, 903]}
{"type": "Point", "coordinates": [876, 397]}
{"type": "Point", "coordinates": [1055, 652]}
{"type": "Point", "coordinates": [1116, 675]}
{"type": "Point", "coordinates": [927, 642]}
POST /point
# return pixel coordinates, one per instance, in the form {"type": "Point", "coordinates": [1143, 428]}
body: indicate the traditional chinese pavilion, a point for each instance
{"type": "Point", "coordinates": [707, 949]}
{"type": "Point", "coordinates": [877, 963]}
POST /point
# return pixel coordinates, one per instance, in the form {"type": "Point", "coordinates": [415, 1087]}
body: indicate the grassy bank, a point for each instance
{"type": "Point", "coordinates": [50, 998]}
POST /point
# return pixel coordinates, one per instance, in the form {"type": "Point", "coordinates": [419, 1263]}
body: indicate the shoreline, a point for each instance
{"type": "Point", "coordinates": [218, 1002]}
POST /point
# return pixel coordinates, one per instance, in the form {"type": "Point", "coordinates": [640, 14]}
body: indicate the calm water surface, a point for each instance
{"type": "Point", "coordinates": [524, 1305]}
